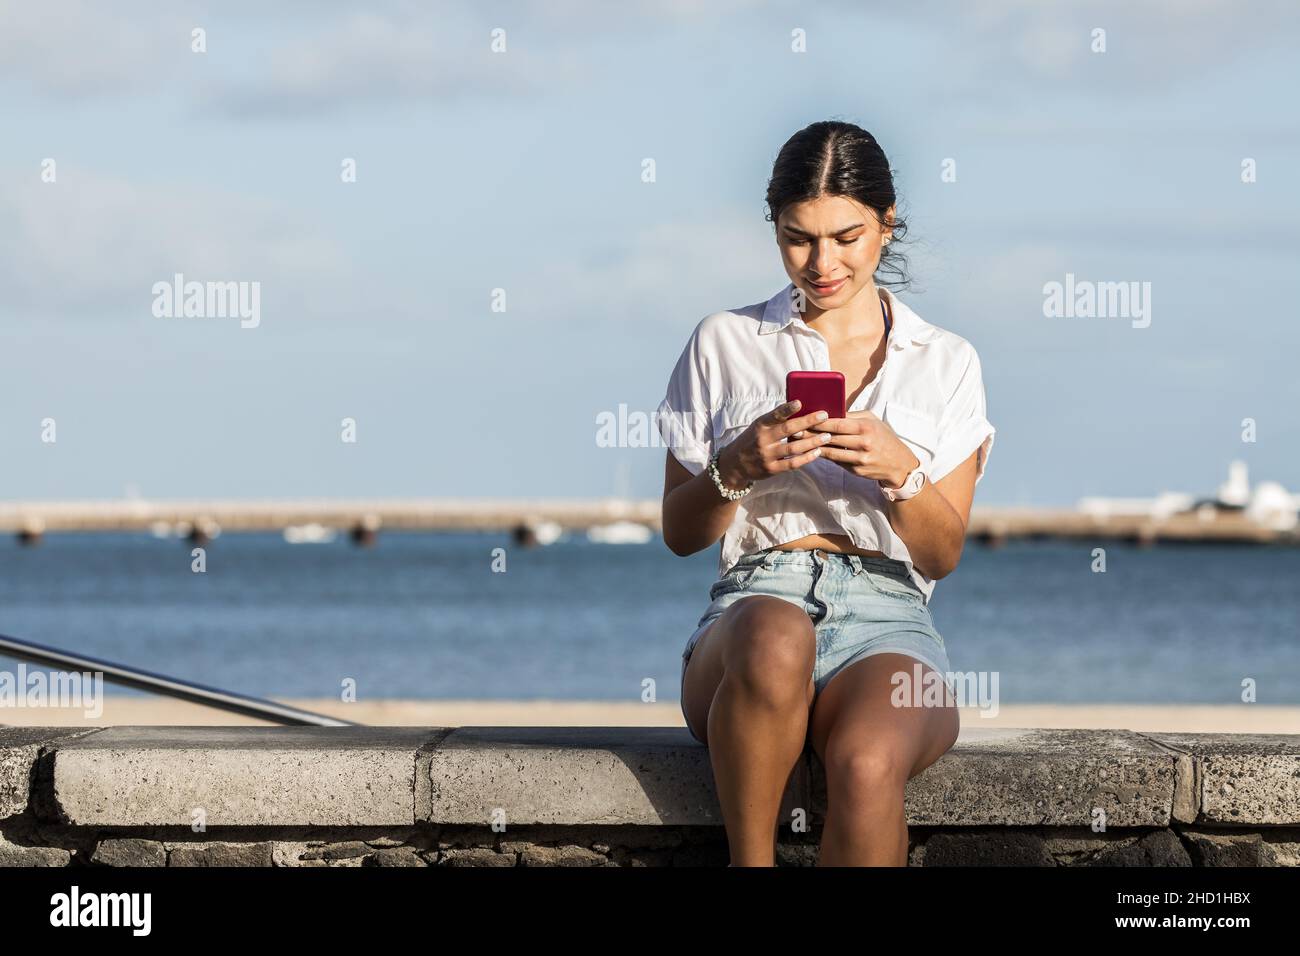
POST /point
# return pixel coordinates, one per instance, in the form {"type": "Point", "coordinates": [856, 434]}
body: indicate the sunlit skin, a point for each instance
{"type": "Point", "coordinates": [748, 691]}
{"type": "Point", "coordinates": [823, 240]}
{"type": "Point", "coordinates": [828, 240]}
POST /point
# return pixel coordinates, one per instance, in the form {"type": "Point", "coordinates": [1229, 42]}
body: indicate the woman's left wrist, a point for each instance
{"type": "Point", "coordinates": [896, 480]}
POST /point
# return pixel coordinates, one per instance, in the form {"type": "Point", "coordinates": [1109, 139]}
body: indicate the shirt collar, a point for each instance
{"type": "Point", "coordinates": [907, 329]}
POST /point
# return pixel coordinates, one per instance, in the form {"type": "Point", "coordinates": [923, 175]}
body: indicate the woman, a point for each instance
{"type": "Point", "coordinates": [833, 531]}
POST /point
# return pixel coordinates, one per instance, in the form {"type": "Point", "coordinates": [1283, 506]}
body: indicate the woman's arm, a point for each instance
{"type": "Point", "coordinates": [695, 515]}
{"type": "Point", "coordinates": [932, 523]}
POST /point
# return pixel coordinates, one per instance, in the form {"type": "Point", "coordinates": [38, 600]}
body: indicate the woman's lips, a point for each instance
{"type": "Point", "coordinates": [830, 289]}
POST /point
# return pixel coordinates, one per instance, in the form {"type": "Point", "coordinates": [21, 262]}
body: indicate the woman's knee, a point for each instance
{"type": "Point", "coordinates": [864, 769]}
{"type": "Point", "coordinates": [772, 647]}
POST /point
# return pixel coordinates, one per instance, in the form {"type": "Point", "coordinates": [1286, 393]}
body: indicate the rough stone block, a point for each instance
{"type": "Point", "coordinates": [475, 857]}
{"type": "Point", "coordinates": [1238, 778]}
{"type": "Point", "coordinates": [561, 856]}
{"type": "Point", "coordinates": [13, 854]}
{"type": "Point", "coordinates": [573, 775]}
{"type": "Point", "coordinates": [1009, 777]}
{"type": "Point", "coordinates": [394, 856]}
{"type": "Point", "coordinates": [220, 854]}
{"type": "Point", "coordinates": [1158, 848]}
{"type": "Point", "coordinates": [19, 749]}
{"type": "Point", "coordinates": [987, 848]}
{"type": "Point", "coordinates": [1228, 849]}
{"type": "Point", "coordinates": [239, 776]}
{"type": "Point", "coordinates": [129, 852]}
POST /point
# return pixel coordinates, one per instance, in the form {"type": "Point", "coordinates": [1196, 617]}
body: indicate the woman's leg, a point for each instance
{"type": "Point", "coordinates": [747, 691]}
{"type": "Point", "coordinates": [870, 749]}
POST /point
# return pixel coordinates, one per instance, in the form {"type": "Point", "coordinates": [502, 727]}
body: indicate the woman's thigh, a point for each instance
{"type": "Point", "coordinates": [860, 720]}
{"type": "Point", "coordinates": [757, 628]}
{"type": "Point", "coordinates": [884, 704]}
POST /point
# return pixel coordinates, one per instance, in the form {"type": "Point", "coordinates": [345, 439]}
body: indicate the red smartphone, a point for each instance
{"type": "Point", "coordinates": [817, 392]}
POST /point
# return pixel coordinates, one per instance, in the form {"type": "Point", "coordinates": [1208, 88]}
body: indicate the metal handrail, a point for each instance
{"type": "Point", "coordinates": [169, 686]}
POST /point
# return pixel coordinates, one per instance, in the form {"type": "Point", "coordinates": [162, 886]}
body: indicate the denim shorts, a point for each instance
{"type": "Point", "coordinates": [859, 605]}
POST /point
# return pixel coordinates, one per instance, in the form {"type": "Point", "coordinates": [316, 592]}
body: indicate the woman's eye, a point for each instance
{"type": "Point", "coordinates": [843, 242]}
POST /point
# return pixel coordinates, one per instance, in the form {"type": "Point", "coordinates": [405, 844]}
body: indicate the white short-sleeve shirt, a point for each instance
{"type": "Point", "coordinates": [929, 390]}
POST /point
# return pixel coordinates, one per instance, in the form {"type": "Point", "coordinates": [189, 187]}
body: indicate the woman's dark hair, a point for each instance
{"type": "Point", "coordinates": [833, 158]}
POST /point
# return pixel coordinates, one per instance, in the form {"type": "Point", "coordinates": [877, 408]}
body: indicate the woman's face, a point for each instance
{"type": "Point", "coordinates": [830, 247]}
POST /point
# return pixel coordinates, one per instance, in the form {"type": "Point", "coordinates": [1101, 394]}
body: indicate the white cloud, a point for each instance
{"type": "Point", "coordinates": [76, 48]}
{"type": "Point", "coordinates": [1151, 45]}
{"type": "Point", "coordinates": [418, 56]}
{"type": "Point", "coordinates": [91, 243]}
{"type": "Point", "coordinates": [277, 60]}
{"type": "Point", "coordinates": [715, 257]}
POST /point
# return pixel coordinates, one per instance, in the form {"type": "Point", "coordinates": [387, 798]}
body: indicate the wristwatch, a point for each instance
{"type": "Point", "coordinates": [910, 487]}
{"type": "Point", "coordinates": [717, 480]}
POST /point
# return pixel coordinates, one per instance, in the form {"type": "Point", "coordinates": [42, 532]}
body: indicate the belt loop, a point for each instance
{"type": "Point", "coordinates": [856, 562]}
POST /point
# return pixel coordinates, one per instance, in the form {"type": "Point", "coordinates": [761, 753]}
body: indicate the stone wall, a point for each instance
{"type": "Point", "coordinates": [615, 796]}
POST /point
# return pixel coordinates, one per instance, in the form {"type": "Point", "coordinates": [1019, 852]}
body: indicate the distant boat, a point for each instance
{"type": "Point", "coordinates": [1272, 506]}
{"type": "Point", "coordinates": [199, 531]}
{"type": "Point", "coordinates": [547, 532]}
{"type": "Point", "coordinates": [1235, 492]}
{"type": "Point", "coordinates": [1268, 503]}
{"type": "Point", "coordinates": [620, 532]}
{"type": "Point", "coordinates": [532, 533]}
{"type": "Point", "coordinates": [309, 534]}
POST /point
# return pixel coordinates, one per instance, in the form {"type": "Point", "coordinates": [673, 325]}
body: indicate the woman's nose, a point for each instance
{"type": "Point", "coordinates": [821, 255]}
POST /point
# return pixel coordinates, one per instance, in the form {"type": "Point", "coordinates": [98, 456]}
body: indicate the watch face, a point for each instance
{"type": "Point", "coordinates": [910, 486]}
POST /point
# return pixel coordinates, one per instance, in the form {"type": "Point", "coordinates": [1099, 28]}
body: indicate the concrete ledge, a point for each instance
{"type": "Point", "coordinates": [20, 748]}
{"type": "Point", "coordinates": [647, 776]}
{"type": "Point", "coordinates": [1236, 778]}
{"type": "Point", "coordinates": [240, 776]}
{"type": "Point", "coordinates": [1006, 777]}
{"type": "Point", "coordinates": [414, 796]}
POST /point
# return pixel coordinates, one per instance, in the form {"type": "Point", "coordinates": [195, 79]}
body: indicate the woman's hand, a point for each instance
{"type": "Point", "coordinates": [761, 451]}
{"type": "Point", "coordinates": [865, 445]}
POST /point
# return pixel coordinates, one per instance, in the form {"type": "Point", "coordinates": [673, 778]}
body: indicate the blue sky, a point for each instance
{"type": "Point", "coordinates": [522, 171]}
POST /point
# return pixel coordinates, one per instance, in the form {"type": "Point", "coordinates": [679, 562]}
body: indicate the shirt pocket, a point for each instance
{"type": "Point", "coordinates": [918, 431]}
{"type": "Point", "coordinates": [733, 418]}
